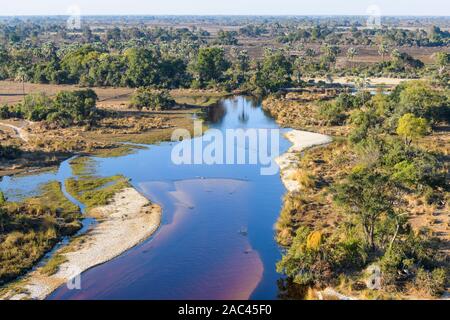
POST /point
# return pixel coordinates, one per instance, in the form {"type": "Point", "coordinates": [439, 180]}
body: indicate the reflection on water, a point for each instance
{"type": "Point", "coordinates": [200, 250]}
{"type": "Point", "coordinates": [287, 290]}
{"type": "Point", "coordinates": [216, 114]}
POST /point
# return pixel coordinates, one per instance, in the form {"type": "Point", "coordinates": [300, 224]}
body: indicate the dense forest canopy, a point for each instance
{"type": "Point", "coordinates": [143, 52]}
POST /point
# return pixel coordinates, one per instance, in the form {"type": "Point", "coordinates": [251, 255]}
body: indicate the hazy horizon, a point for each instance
{"type": "Point", "coordinates": [429, 8]}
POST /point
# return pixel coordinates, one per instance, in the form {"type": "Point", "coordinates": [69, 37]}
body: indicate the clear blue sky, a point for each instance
{"type": "Point", "coordinates": [238, 7]}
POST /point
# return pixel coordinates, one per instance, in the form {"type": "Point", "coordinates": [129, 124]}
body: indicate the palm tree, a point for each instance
{"type": "Point", "coordinates": [330, 53]}
{"type": "Point", "coordinates": [22, 76]}
{"type": "Point", "coordinates": [351, 54]}
{"type": "Point", "coordinates": [383, 50]}
{"type": "Point", "coordinates": [361, 84]}
{"type": "Point", "coordinates": [396, 55]}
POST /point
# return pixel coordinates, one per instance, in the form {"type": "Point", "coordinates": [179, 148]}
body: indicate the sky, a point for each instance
{"type": "Point", "coordinates": [225, 7]}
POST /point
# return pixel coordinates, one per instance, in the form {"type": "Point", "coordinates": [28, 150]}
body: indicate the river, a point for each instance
{"type": "Point", "coordinates": [216, 240]}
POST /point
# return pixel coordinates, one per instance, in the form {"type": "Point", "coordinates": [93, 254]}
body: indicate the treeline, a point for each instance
{"type": "Point", "coordinates": [152, 66]}
{"type": "Point", "coordinates": [23, 32]}
{"type": "Point", "coordinates": [434, 37]}
{"type": "Point", "coordinates": [384, 166]}
{"type": "Point", "coordinates": [65, 109]}
{"type": "Point", "coordinates": [333, 30]}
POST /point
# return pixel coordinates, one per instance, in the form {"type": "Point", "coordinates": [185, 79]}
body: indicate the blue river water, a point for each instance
{"type": "Point", "coordinates": [216, 240]}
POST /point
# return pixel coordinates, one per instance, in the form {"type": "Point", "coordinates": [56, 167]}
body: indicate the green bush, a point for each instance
{"type": "Point", "coordinates": [332, 113]}
{"type": "Point", "coordinates": [152, 99]}
{"type": "Point", "coordinates": [67, 108]}
{"type": "Point", "coordinates": [28, 230]}
{"type": "Point", "coordinates": [306, 265]}
{"type": "Point", "coordinates": [433, 283]}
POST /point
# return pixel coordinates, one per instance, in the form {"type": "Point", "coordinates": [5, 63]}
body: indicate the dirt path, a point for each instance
{"type": "Point", "coordinates": [19, 131]}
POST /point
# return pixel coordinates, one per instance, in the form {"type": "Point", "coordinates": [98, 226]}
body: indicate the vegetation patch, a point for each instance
{"type": "Point", "coordinates": [30, 229]}
{"type": "Point", "coordinates": [82, 166]}
{"type": "Point", "coordinates": [52, 266]}
{"type": "Point", "coordinates": [358, 211]}
{"type": "Point", "coordinates": [94, 192]}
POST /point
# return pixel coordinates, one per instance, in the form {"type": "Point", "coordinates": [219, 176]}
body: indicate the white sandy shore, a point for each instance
{"type": "Point", "coordinates": [128, 220]}
{"type": "Point", "coordinates": [288, 162]}
{"type": "Point", "coordinates": [373, 80]}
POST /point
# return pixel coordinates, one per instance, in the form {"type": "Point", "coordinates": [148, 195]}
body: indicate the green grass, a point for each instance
{"type": "Point", "coordinates": [94, 192]}
{"type": "Point", "coordinates": [53, 264]}
{"type": "Point", "coordinates": [50, 201]}
{"type": "Point", "coordinates": [119, 151]}
{"type": "Point", "coordinates": [82, 166]}
{"type": "Point", "coordinates": [200, 101]}
{"type": "Point", "coordinates": [32, 228]}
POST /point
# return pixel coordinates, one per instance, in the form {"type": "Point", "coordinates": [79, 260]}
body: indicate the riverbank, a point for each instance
{"type": "Point", "coordinates": [127, 220]}
{"type": "Point", "coordinates": [319, 173]}
{"type": "Point", "coordinates": [288, 162]}
{"type": "Point", "coordinates": [42, 145]}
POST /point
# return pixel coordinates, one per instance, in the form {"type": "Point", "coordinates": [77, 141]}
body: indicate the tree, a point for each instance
{"type": "Point", "coordinates": [2, 199]}
{"type": "Point", "coordinates": [210, 65]}
{"type": "Point", "coordinates": [383, 49]}
{"type": "Point", "coordinates": [396, 55]}
{"type": "Point", "coordinates": [227, 38]}
{"type": "Point", "coordinates": [420, 99]}
{"type": "Point", "coordinates": [411, 127]}
{"type": "Point", "coordinates": [240, 66]}
{"type": "Point", "coordinates": [362, 83]}
{"type": "Point", "coordinates": [87, 34]}
{"type": "Point", "coordinates": [367, 196]}
{"type": "Point", "coordinates": [330, 54]}
{"type": "Point", "coordinates": [442, 60]}
{"type": "Point", "coordinates": [77, 63]}
{"type": "Point", "coordinates": [74, 107]}
{"type": "Point", "coordinates": [172, 73]}
{"type": "Point", "coordinates": [142, 67]}
{"type": "Point", "coordinates": [113, 34]}
{"type": "Point", "coordinates": [351, 54]}
{"type": "Point", "coordinates": [36, 106]}
{"type": "Point", "coordinates": [22, 76]}
{"type": "Point", "coordinates": [275, 73]}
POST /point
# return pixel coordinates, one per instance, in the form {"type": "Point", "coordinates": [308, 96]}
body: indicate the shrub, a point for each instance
{"type": "Point", "coordinates": [306, 180]}
{"type": "Point", "coordinates": [152, 99]}
{"type": "Point", "coordinates": [348, 250]}
{"type": "Point", "coordinates": [412, 128]}
{"type": "Point", "coordinates": [67, 108]}
{"type": "Point", "coordinates": [304, 263]}
{"type": "Point", "coordinates": [314, 240]}
{"type": "Point", "coordinates": [332, 113]}
{"type": "Point", "coordinates": [432, 283]}
{"type": "Point", "coordinates": [36, 106]}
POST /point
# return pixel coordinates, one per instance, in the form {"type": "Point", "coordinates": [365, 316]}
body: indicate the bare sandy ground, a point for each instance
{"type": "Point", "coordinates": [128, 220]}
{"type": "Point", "coordinates": [392, 82]}
{"type": "Point", "coordinates": [288, 162]}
